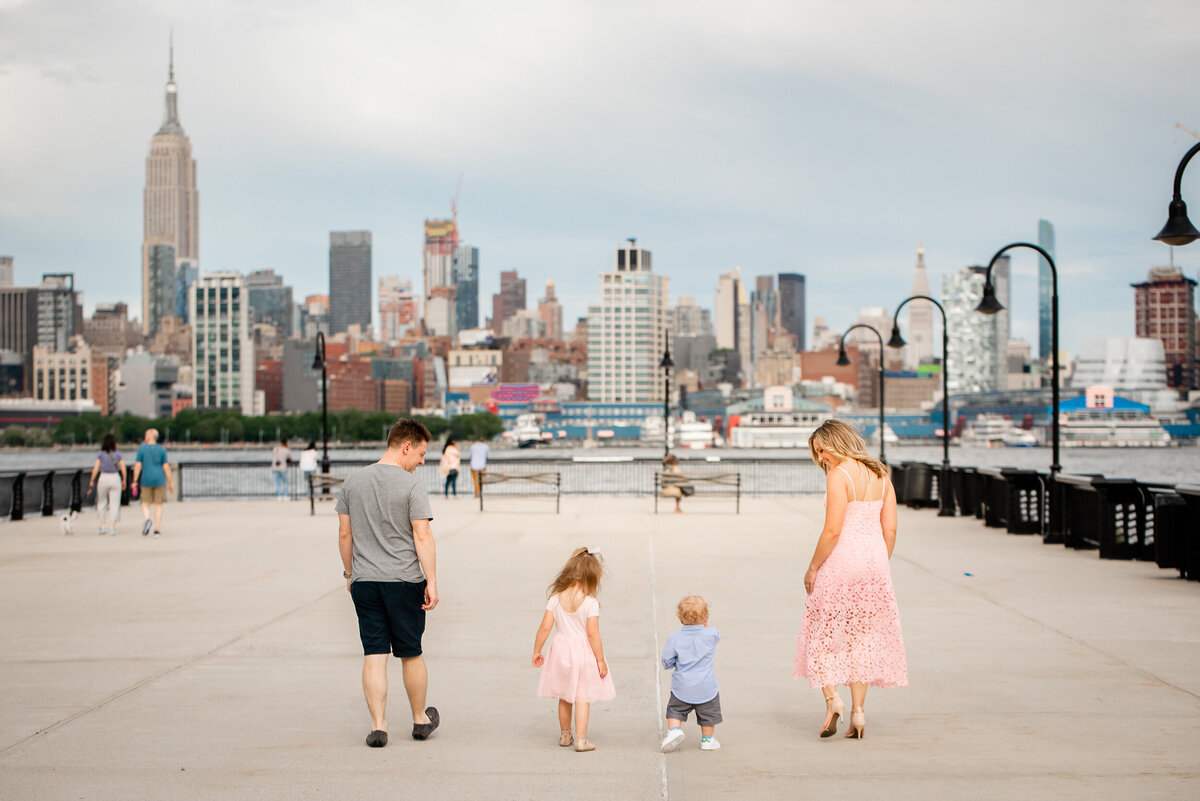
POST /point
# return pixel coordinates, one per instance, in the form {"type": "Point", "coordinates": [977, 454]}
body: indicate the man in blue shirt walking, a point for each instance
{"type": "Point", "coordinates": [152, 478]}
{"type": "Point", "coordinates": [691, 651]}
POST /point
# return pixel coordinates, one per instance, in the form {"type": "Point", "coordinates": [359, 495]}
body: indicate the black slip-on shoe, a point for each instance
{"type": "Point", "coordinates": [421, 731]}
{"type": "Point", "coordinates": [377, 739]}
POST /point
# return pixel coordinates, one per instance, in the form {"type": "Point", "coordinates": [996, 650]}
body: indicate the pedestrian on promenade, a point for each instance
{"type": "Point", "coordinates": [281, 457]}
{"type": "Point", "coordinates": [308, 464]}
{"type": "Point", "coordinates": [851, 631]}
{"type": "Point", "coordinates": [448, 467]}
{"type": "Point", "coordinates": [691, 651]}
{"type": "Point", "coordinates": [151, 479]}
{"type": "Point", "coordinates": [390, 566]}
{"type": "Point", "coordinates": [110, 466]}
{"type": "Point", "coordinates": [479, 458]}
{"type": "Point", "coordinates": [575, 671]}
{"type": "Point", "coordinates": [674, 484]}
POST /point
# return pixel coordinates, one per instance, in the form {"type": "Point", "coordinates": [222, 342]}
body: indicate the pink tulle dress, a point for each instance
{"type": "Point", "coordinates": [570, 670]}
{"type": "Point", "coordinates": [851, 630]}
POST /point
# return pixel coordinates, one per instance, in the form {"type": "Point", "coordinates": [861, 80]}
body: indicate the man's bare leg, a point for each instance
{"type": "Point", "coordinates": [416, 682]}
{"type": "Point", "coordinates": [374, 679]}
{"type": "Point", "coordinates": [158, 512]}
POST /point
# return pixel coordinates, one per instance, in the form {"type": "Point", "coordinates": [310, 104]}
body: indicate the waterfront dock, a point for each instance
{"type": "Point", "coordinates": [222, 661]}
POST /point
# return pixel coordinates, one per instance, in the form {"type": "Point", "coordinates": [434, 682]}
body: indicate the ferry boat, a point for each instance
{"type": "Point", "coordinates": [687, 432]}
{"type": "Point", "coordinates": [527, 431]}
{"type": "Point", "coordinates": [994, 430]}
{"type": "Point", "coordinates": [775, 429]}
{"type": "Point", "coordinates": [1099, 419]}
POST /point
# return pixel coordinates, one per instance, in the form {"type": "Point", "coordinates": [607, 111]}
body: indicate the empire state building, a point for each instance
{"type": "Point", "coordinates": [171, 214]}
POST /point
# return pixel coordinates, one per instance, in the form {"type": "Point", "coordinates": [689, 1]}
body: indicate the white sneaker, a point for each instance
{"type": "Point", "coordinates": [710, 744]}
{"type": "Point", "coordinates": [672, 740]}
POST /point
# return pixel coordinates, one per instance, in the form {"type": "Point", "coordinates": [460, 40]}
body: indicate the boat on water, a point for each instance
{"type": "Point", "coordinates": [889, 435]}
{"type": "Point", "coordinates": [527, 431]}
{"type": "Point", "coordinates": [776, 429]}
{"type": "Point", "coordinates": [995, 430]}
{"type": "Point", "coordinates": [1100, 419]}
{"type": "Point", "coordinates": [689, 431]}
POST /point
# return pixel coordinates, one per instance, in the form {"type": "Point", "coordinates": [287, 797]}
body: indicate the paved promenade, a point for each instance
{"type": "Point", "coordinates": [222, 661]}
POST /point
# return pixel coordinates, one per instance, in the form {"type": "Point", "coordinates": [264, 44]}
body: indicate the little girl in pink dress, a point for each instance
{"type": "Point", "coordinates": [574, 668]}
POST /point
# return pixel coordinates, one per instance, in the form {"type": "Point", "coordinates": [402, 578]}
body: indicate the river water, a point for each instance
{"type": "Point", "coordinates": [1179, 465]}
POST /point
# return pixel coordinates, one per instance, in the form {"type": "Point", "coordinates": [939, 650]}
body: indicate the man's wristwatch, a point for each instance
{"type": "Point", "coordinates": [345, 575]}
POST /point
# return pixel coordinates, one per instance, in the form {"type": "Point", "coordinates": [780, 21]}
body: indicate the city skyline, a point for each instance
{"type": "Point", "coordinates": [876, 148]}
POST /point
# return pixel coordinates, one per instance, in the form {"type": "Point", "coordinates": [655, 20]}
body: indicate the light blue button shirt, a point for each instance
{"type": "Point", "coordinates": [692, 651]}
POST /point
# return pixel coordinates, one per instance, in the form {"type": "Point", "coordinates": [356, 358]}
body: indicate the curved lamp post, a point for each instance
{"type": "Point", "coordinates": [666, 364]}
{"type": "Point", "coordinates": [989, 305]}
{"type": "Point", "coordinates": [319, 364]}
{"type": "Point", "coordinates": [1179, 229]}
{"type": "Point", "coordinates": [844, 360]}
{"type": "Point", "coordinates": [945, 500]}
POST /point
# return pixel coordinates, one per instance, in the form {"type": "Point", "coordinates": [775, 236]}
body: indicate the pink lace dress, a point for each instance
{"type": "Point", "coordinates": [851, 630]}
{"type": "Point", "coordinates": [570, 670]}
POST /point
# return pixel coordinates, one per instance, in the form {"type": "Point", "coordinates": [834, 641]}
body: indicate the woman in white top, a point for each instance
{"type": "Point", "coordinates": [308, 464]}
{"type": "Point", "coordinates": [448, 467]}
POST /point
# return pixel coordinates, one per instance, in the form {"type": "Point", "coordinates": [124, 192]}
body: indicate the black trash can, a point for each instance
{"type": "Point", "coordinates": [899, 471]}
{"type": "Point", "coordinates": [1170, 523]}
{"type": "Point", "coordinates": [918, 485]}
{"type": "Point", "coordinates": [1189, 541]}
{"type": "Point", "coordinates": [993, 498]}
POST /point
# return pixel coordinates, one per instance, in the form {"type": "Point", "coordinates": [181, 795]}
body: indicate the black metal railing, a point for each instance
{"type": "Point", "coordinates": [42, 493]}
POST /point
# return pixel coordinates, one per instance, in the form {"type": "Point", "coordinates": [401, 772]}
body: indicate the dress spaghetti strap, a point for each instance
{"type": "Point", "coordinates": [852, 489]}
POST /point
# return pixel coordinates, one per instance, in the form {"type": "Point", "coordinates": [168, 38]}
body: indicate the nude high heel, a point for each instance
{"type": "Point", "coordinates": [858, 723]}
{"type": "Point", "coordinates": [834, 709]}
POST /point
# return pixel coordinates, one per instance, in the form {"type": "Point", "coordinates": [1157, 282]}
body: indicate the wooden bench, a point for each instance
{"type": "Point", "coordinates": [722, 484]}
{"type": "Point", "coordinates": [548, 479]}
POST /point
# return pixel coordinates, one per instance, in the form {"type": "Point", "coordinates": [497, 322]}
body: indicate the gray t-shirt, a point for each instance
{"type": "Point", "coordinates": [382, 501]}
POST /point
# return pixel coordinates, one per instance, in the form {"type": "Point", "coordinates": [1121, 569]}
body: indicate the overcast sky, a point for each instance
{"type": "Point", "coordinates": [826, 138]}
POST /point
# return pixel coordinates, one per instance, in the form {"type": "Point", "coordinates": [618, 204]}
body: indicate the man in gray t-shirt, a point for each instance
{"type": "Point", "coordinates": [389, 563]}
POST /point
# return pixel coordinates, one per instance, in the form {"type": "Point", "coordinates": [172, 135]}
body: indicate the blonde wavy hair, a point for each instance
{"type": "Point", "coordinates": [583, 568]}
{"type": "Point", "coordinates": [841, 439]}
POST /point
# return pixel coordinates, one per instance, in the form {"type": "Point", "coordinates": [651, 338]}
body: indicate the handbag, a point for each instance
{"type": "Point", "coordinates": [687, 490]}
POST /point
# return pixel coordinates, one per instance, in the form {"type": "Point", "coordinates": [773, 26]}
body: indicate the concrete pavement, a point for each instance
{"type": "Point", "coordinates": [223, 661]}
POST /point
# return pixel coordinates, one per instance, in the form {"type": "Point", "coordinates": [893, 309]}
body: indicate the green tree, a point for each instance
{"type": "Point", "coordinates": [469, 426]}
{"type": "Point", "coordinates": [14, 436]}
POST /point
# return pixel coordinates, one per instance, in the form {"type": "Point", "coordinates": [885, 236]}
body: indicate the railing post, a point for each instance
{"type": "Point", "coordinates": [48, 495]}
{"type": "Point", "coordinates": [739, 488]}
{"type": "Point", "coordinates": [179, 475]}
{"type": "Point", "coordinates": [557, 490]}
{"type": "Point", "coordinates": [18, 508]}
{"type": "Point", "coordinates": [312, 498]}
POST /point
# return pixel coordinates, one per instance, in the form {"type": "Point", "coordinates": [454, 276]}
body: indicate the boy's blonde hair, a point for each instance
{"type": "Point", "coordinates": [692, 611]}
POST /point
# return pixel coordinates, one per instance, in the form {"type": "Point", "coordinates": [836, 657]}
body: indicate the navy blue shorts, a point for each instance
{"type": "Point", "coordinates": [390, 617]}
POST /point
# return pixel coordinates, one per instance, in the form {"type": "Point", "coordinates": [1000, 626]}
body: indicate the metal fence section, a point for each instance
{"type": "Point", "coordinates": [612, 477]}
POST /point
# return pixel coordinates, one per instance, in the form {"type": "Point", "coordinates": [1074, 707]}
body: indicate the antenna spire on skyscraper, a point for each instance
{"type": "Point", "coordinates": [171, 58]}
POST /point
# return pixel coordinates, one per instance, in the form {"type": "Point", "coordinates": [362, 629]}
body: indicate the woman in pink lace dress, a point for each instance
{"type": "Point", "coordinates": [851, 632]}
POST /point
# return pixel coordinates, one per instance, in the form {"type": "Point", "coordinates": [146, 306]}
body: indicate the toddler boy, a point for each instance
{"type": "Point", "coordinates": [691, 652]}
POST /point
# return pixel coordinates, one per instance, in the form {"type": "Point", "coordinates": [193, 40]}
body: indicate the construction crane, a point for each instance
{"type": "Point", "coordinates": [1187, 131]}
{"type": "Point", "coordinates": [454, 207]}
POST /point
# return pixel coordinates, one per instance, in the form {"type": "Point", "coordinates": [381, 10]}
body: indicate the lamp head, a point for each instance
{"type": "Point", "coordinates": [1179, 229]}
{"type": "Point", "coordinates": [842, 360]}
{"type": "Point", "coordinates": [988, 304]}
{"type": "Point", "coordinates": [896, 341]}
{"type": "Point", "coordinates": [666, 362]}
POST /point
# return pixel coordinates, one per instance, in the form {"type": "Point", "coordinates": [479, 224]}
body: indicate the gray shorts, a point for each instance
{"type": "Point", "coordinates": [707, 713]}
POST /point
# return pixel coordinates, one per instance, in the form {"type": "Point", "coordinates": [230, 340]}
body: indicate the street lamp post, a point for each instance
{"type": "Point", "coordinates": [666, 364]}
{"type": "Point", "coordinates": [1179, 229]}
{"type": "Point", "coordinates": [989, 305]}
{"type": "Point", "coordinates": [844, 360]}
{"type": "Point", "coordinates": [319, 363]}
{"type": "Point", "coordinates": [945, 501]}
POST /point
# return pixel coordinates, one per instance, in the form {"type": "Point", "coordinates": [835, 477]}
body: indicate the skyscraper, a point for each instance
{"type": "Point", "coordinates": [1045, 287]}
{"type": "Point", "coordinates": [6, 271]}
{"type": "Point", "coordinates": [349, 280]}
{"type": "Point", "coordinates": [162, 283]}
{"type": "Point", "coordinates": [550, 313]}
{"type": "Point", "coordinates": [729, 289]}
{"type": "Point", "coordinates": [978, 357]}
{"type": "Point", "coordinates": [627, 331]}
{"type": "Point", "coordinates": [791, 307]}
{"type": "Point", "coordinates": [270, 301]}
{"type": "Point", "coordinates": [1165, 309]}
{"type": "Point", "coordinates": [920, 319]}
{"type": "Point", "coordinates": [437, 259]}
{"type": "Point", "coordinates": [223, 348]}
{"type": "Point", "coordinates": [465, 279]}
{"type": "Point", "coordinates": [508, 301]}
{"type": "Point", "coordinates": [397, 307]}
{"type": "Point", "coordinates": [171, 203]}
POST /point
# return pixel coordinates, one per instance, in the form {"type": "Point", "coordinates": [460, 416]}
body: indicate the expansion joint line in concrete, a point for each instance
{"type": "Point", "coordinates": [662, 758]}
{"type": "Point", "coordinates": [119, 694]}
{"type": "Point", "coordinates": [1077, 640]}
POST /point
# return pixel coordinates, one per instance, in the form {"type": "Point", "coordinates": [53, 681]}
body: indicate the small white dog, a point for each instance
{"type": "Point", "coordinates": [67, 522]}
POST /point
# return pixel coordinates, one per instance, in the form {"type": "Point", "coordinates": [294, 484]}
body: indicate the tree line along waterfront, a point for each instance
{"type": "Point", "coordinates": [225, 427]}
